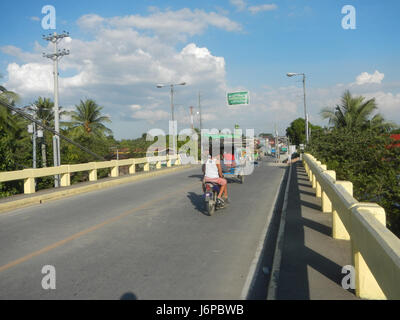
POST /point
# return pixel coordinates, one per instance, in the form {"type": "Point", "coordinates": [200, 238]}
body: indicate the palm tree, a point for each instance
{"type": "Point", "coordinates": [7, 122]}
{"type": "Point", "coordinates": [355, 112]}
{"type": "Point", "coordinates": [87, 119]}
{"type": "Point", "coordinates": [45, 114]}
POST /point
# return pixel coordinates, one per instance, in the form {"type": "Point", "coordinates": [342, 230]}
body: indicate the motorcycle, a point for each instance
{"type": "Point", "coordinates": [211, 191]}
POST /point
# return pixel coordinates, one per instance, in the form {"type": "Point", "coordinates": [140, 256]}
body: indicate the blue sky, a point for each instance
{"type": "Point", "coordinates": [257, 47]}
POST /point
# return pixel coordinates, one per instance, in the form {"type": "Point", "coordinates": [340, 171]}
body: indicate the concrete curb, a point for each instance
{"type": "Point", "coordinates": [276, 164]}
{"type": "Point", "coordinates": [273, 283]}
{"type": "Point", "coordinates": [255, 264]}
{"type": "Point", "coordinates": [69, 192]}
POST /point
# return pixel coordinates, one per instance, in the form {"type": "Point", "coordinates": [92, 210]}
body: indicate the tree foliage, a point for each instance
{"type": "Point", "coordinates": [88, 120]}
{"type": "Point", "coordinates": [356, 112]}
{"type": "Point", "coordinates": [363, 157]}
{"type": "Point", "coordinates": [297, 131]}
{"type": "Point", "coordinates": [358, 147]}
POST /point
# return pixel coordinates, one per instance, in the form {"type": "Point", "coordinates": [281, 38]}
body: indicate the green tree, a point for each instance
{"type": "Point", "coordinates": [297, 131]}
{"type": "Point", "coordinates": [364, 158]}
{"type": "Point", "coordinates": [8, 122]}
{"type": "Point", "coordinates": [356, 112]}
{"type": "Point", "coordinates": [45, 114]}
{"type": "Point", "coordinates": [15, 142]}
{"type": "Point", "coordinates": [86, 128]}
{"type": "Point", "coordinates": [87, 119]}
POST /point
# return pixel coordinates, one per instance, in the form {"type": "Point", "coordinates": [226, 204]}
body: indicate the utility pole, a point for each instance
{"type": "Point", "coordinates": [36, 133]}
{"type": "Point", "coordinates": [172, 112]}
{"type": "Point", "coordinates": [32, 129]}
{"type": "Point", "coordinates": [191, 118]}
{"type": "Point", "coordinates": [305, 108]}
{"type": "Point", "coordinates": [201, 125]}
{"type": "Point", "coordinates": [276, 145]}
{"type": "Point", "coordinates": [34, 146]}
{"type": "Point", "coordinates": [55, 38]}
{"type": "Point", "coordinates": [173, 120]}
{"type": "Point", "coordinates": [291, 74]}
{"type": "Point", "coordinates": [44, 156]}
{"type": "Point", "coordinates": [287, 150]}
{"type": "Point", "coordinates": [25, 115]}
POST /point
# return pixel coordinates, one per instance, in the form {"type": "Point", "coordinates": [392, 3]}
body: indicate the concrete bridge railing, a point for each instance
{"type": "Point", "coordinates": [375, 249]}
{"type": "Point", "coordinates": [29, 175]}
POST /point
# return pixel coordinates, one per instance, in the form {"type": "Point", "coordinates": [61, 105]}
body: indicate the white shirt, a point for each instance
{"type": "Point", "coordinates": [212, 169]}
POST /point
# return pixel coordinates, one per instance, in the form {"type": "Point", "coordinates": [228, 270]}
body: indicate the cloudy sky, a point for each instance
{"type": "Point", "coordinates": [120, 50]}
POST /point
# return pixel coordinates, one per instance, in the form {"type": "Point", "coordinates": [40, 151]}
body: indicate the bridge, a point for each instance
{"type": "Point", "coordinates": [287, 234]}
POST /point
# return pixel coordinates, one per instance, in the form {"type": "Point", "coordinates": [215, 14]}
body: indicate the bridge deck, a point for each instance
{"type": "Point", "coordinates": [149, 239]}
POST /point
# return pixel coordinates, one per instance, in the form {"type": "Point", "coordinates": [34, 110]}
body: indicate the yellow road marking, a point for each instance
{"type": "Point", "coordinates": [86, 231]}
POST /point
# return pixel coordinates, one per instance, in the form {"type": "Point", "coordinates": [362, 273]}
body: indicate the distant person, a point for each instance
{"type": "Point", "coordinates": [229, 160]}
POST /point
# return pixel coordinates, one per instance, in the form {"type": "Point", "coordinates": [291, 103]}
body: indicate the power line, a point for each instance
{"type": "Point", "coordinates": [40, 124]}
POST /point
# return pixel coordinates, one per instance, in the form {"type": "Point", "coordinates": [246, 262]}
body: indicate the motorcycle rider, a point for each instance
{"type": "Point", "coordinates": [213, 173]}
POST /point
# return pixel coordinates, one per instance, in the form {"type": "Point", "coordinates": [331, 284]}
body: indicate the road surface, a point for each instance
{"type": "Point", "coordinates": [149, 239]}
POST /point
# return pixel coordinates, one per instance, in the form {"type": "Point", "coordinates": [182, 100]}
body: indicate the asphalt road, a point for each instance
{"type": "Point", "coordinates": [149, 239]}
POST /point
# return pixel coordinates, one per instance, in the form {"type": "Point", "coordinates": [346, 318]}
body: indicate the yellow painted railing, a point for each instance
{"type": "Point", "coordinates": [375, 250]}
{"type": "Point", "coordinates": [29, 175]}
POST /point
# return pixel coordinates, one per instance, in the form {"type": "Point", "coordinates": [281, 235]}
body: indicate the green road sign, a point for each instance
{"type": "Point", "coordinates": [238, 98]}
{"type": "Point", "coordinates": [221, 136]}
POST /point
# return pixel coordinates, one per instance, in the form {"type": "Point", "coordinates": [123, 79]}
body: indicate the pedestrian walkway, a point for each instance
{"type": "Point", "coordinates": [312, 261]}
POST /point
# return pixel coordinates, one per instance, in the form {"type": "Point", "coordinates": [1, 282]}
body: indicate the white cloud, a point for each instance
{"type": "Point", "coordinates": [31, 78]}
{"type": "Point", "coordinates": [135, 107]}
{"type": "Point", "coordinates": [388, 103]}
{"type": "Point", "coordinates": [176, 25]}
{"type": "Point", "coordinates": [120, 67]}
{"type": "Point", "coordinates": [152, 116]}
{"type": "Point", "coordinates": [90, 21]}
{"type": "Point", "coordinates": [263, 7]}
{"type": "Point", "coordinates": [239, 4]}
{"type": "Point", "coordinates": [34, 18]}
{"type": "Point", "coordinates": [366, 78]}
{"type": "Point", "coordinates": [35, 56]}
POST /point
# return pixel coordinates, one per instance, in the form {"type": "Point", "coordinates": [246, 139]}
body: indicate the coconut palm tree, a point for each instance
{"type": "Point", "coordinates": [7, 122]}
{"type": "Point", "coordinates": [87, 119]}
{"type": "Point", "coordinates": [45, 114]}
{"type": "Point", "coordinates": [356, 112]}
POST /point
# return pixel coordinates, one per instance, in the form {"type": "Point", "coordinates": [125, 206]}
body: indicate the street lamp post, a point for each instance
{"type": "Point", "coordinates": [172, 109]}
{"type": "Point", "coordinates": [305, 107]}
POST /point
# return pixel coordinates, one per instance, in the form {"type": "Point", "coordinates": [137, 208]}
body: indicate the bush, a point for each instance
{"type": "Point", "coordinates": [295, 155]}
{"type": "Point", "coordinates": [362, 157]}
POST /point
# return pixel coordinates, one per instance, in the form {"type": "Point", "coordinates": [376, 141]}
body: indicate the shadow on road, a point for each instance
{"type": "Point", "coordinates": [199, 176]}
{"type": "Point", "coordinates": [297, 256]}
{"type": "Point", "coordinates": [198, 202]}
{"type": "Point", "coordinates": [129, 296]}
{"type": "Point", "coordinates": [260, 281]}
